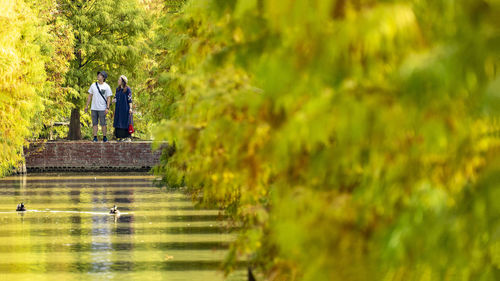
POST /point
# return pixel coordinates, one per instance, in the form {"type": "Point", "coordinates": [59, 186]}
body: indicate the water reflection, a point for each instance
{"type": "Point", "coordinates": [68, 232]}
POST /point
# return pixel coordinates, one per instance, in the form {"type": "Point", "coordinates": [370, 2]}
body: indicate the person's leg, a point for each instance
{"type": "Point", "coordinates": [102, 119]}
{"type": "Point", "coordinates": [95, 119]}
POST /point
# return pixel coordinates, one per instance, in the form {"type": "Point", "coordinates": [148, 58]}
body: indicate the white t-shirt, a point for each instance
{"type": "Point", "coordinates": [98, 103]}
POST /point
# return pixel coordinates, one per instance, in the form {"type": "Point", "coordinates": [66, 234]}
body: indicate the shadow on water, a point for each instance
{"type": "Point", "coordinates": [68, 231]}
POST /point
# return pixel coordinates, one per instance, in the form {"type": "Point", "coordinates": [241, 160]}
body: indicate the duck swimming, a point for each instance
{"type": "Point", "coordinates": [114, 210]}
{"type": "Point", "coordinates": [20, 207]}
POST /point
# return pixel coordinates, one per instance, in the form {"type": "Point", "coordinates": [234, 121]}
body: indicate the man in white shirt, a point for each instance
{"type": "Point", "coordinates": [100, 93]}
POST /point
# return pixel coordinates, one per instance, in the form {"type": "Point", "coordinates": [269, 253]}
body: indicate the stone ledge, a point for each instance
{"type": "Point", "coordinates": [86, 156]}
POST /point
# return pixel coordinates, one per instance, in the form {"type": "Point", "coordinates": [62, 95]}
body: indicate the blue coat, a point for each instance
{"type": "Point", "coordinates": [123, 98]}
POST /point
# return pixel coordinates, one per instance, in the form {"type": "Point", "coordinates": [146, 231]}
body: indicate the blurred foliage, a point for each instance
{"type": "Point", "coordinates": [353, 140]}
{"type": "Point", "coordinates": [57, 45]}
{"type": "Point", "coordinates": [32, 43]}
{"type": "Point", "coordinates": [143, 116]}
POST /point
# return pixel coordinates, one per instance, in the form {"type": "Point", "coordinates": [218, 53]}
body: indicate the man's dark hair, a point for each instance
{"type": "Point", "coordinates": [103, 74]}
{"type": "Point", "coordinates": [103, 78]}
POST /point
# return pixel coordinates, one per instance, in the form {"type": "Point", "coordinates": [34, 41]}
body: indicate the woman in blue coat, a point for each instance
{"type": "Point", "coordinates": [123, 109]}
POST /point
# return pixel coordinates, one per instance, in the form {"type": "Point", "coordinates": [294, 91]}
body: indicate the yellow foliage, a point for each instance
{"type": "Point", "coordinates": [22, 77]}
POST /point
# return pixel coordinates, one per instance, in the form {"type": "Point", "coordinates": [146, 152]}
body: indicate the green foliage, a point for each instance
{"type": "Point", "coordinates": [106, 34]}
{"type": "Point", "coordinates": [31, 43]}
{"type": "Point", "coordinates": [353, 140]}
{"type": "Point", "coordinates": [109, 35]}
{"type": "Point", "coordinates": [50, 51]}
{"type": "Point", "coordinates": [58, 50]}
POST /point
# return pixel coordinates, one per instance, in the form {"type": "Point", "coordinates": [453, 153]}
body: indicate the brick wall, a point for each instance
{"type": "Point", "coordinates": [90, 156]}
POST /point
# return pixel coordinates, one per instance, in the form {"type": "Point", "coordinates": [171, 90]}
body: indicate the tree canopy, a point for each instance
{"type": "Point", "coordinates": [108, 37]}
{"type": "Point", "coordinates": [350, 140]}
{"type": "Point", "coordinates": [354, 140]}
{"type": "Point", "coordinates": [33, 63]}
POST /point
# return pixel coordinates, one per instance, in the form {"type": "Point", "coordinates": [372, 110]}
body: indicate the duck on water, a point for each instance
{"type": "Point", "coordinates": [114, 210]}
{"type": "Point", "coordinates": [21, 207]}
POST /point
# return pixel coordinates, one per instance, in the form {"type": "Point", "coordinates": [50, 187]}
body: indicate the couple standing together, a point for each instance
{"type": "Point", "coordinates": [100, 94]}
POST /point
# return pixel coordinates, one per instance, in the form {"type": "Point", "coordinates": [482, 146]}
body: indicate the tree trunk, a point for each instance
{"type": "Point", "coordinates": [74, 125]}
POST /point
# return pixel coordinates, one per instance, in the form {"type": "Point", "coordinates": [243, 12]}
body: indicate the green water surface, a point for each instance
{"type": "Point", "coordinates": [67, 232]}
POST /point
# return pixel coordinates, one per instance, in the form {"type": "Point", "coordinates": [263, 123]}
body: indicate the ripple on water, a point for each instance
{"type": "Point", "coordinates": [68, 234]}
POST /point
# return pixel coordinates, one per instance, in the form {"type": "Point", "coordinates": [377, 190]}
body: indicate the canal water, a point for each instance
{"type": "Point", "coordinates": [67, 232]}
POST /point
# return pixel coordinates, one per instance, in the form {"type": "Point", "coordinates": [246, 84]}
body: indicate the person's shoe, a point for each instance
{"type": "Point", "coordinates": [95, 139]}
{"type": "Point", "coordinates": [127, 140]}
{"type": "Point", "coordinates": [104, 139]}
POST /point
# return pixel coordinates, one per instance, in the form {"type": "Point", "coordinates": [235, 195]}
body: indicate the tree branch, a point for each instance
{"type": "Point", "coordinates": [90, 59]}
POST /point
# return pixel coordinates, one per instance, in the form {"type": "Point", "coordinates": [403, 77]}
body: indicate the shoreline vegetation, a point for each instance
{"type": "Point", "coordinates": [349, 140]}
